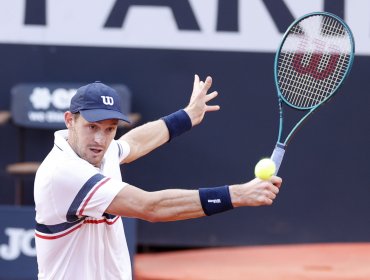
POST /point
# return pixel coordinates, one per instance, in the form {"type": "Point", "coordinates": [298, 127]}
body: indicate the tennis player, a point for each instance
{"type": "Point", "coordinates": [80, 196]}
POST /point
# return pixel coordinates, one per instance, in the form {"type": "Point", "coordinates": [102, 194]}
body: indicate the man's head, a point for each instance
{"type": "Point", "coordinates": [97, 102]}
{"type": "Point", "coordinates": [92, 121]}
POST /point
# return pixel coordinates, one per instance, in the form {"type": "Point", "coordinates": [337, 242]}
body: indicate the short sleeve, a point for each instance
{"type": "Point", "coordinates": [124, 149]}
{"type": "Point", "coordinates": [79, 190]}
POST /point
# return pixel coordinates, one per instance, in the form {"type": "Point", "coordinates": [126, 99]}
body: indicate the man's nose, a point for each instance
{"type": "Point", "coordinates": [99, 137]}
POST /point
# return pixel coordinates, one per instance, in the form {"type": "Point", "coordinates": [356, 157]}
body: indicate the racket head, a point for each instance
{"type": "Point", "coordinates": [313, 60]}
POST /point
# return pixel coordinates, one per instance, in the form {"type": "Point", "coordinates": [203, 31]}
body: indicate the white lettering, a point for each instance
{"type": "Point", "coordinates": [61, 98]}
{"type": "Point", "coordinates": [36, 116]}
{"type": "Point", "coordinates": [20, 241]}
{"type": "Point", "coordinates": [107, 100]}
{"type": "Point", "coordinates": [255, 29]}
{"type": "Point", "coordinates": [49, 116]}
{"type": "Point", "coordinates": [40, 98]}
{"type": "Point", "coordinates": [54, 116]}
{"type": "Point", "coordinates": [27, 242]}
{"type": "Point", "coordinates": [216, 201]}
{"type": "Point", "coordinates": [12, 250]}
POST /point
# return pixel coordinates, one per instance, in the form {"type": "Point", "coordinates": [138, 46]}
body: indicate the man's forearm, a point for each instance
{"type": "Point", "coordinates": [145, 138]}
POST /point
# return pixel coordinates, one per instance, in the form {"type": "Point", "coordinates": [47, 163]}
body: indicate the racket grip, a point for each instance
{"type": "Point", "coordinates": [277, 155]}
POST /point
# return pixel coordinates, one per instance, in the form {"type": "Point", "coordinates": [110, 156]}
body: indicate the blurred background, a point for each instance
{"type": "Point", "coordinates": [153, 48]}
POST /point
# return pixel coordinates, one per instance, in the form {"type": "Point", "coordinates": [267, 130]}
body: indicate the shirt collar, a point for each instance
{"type": "Point", "coordinates": [61, 141]}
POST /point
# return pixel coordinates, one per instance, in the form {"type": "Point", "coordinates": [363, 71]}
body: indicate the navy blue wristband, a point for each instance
{"type": "Point", "coordinates": [177, 123]}
{"type": "Point", "coordinates": [215, 200]}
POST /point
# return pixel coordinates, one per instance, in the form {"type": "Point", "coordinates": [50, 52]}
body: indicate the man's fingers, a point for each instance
{"type": "Point", "coordinates": [211, 96]}
{"type": "Point", "coordinates": [274, 189]}
{"type": "Point", "coordinates": [196, 81]}
{"type": "Point", "coordinates": [212, 108]}
{"type": "Point", "coordinates": [268, 201]}
{"type": "Point", "coordinates": [208, 83]}
{"type": "Point", "coordinates": [276, 181]}
{"type": "Point", "coordinates": [202, 86]}
{"type": "Point", "coordinates": [205, 86]}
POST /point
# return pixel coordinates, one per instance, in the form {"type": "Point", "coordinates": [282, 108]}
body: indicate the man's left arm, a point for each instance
{"type": "Point", "coordinates": [145, 138]}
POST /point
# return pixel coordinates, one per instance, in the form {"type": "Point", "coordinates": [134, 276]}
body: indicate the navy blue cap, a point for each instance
{"type": "Point", "coordinates": [97, 102]}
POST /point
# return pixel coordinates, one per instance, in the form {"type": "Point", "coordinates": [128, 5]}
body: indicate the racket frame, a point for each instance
{"type": "Point", "coordinates": [280, 147]}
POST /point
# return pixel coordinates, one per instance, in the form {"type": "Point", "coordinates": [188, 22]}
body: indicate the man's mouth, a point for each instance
{"type": "Point", "coordinates": [96, 150]}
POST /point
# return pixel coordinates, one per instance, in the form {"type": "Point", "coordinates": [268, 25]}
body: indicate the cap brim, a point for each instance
{"type": "Point", "coordinates": [96, 115]}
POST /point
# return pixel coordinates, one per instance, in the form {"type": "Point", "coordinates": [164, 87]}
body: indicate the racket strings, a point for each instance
{"type": "Point", "coordinates": [298, 90]}
{"type": "Point", "coordinates": [313, 60]}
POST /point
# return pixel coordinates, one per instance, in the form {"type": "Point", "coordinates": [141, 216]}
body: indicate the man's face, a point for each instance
{"type": "Point", "coordinates": [91, 140]}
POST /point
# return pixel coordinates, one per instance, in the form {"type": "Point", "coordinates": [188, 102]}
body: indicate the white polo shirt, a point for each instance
{"type": "Point", "coordinates": [75, 239]}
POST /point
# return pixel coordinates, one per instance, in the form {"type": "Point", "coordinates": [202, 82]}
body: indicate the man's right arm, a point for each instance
{"type": "Point", "coordinates": [181, 204]}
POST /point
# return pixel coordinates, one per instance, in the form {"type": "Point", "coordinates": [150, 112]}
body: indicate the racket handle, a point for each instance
{"type": "Point", "coordinates": [277, 155]}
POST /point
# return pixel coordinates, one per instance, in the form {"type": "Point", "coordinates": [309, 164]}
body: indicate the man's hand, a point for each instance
{"type": "Point", "coordinates": [197, 106]}
{"type": "Point", "coordinates": [256, 192]}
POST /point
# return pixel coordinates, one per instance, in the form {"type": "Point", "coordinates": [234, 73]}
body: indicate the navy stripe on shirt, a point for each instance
{"type": "Point", "coordinates": [50, 229]}
{"type": "Point", "coordinates": [86, 188]}
{"type": "Point", "coordinates": [120, 152]}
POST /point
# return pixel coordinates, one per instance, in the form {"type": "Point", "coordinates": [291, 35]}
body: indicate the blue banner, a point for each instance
{"type": "Point", "coordinates": [17, 242]}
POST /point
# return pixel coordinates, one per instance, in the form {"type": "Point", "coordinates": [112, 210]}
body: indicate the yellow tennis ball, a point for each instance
{"type": "Point", "coordinates": [264, 169]}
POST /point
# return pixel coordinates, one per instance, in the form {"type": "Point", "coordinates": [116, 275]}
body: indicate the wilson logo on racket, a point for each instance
{"type": "Point", "coordinates": [320, 65]}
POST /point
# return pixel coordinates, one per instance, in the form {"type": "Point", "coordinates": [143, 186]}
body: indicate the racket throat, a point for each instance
{"type": "Point", "coordinates": [277, 155]}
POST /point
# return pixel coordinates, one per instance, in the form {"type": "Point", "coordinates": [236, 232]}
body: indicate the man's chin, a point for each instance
{"type": "Point", "coordinates": [94, 161]}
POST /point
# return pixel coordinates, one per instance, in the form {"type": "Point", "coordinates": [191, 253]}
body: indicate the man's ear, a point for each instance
{"type": "Point", "coordinates": [68, 119]}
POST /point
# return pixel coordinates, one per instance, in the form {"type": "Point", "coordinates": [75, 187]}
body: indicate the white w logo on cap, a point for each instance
{"type": "Point", "coordinates": [107, 100]}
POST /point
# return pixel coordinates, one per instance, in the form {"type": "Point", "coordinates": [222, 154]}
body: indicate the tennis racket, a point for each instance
{"type": "Point", "coordinates": [314, 58]}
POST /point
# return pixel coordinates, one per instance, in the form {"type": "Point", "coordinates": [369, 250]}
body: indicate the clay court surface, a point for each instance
{"type": "Point", "coordinates": [338, 261]}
